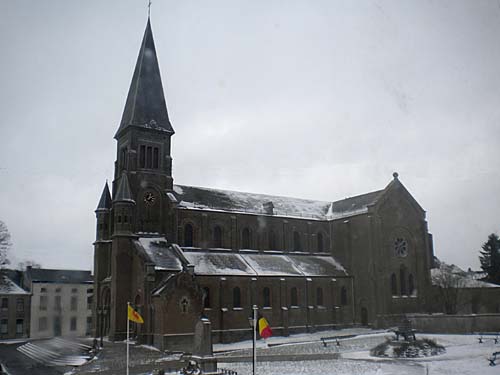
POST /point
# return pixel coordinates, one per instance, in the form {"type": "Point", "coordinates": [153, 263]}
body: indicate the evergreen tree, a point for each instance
{"type": "Point", "coordinates": [490, 258]}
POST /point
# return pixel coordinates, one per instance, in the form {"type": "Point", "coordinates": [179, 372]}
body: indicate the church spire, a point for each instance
{"type": "Point", "coordinates": [105, 201]}
{"type": "Point", "coordinates": [145, 106]}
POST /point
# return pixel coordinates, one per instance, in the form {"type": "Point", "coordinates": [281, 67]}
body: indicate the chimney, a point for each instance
{"type": "Point", "coordinates": [268, 208]}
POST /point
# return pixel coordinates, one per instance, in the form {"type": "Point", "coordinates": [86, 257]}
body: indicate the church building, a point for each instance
{"type": "Point", "coordinates": [178, 252]}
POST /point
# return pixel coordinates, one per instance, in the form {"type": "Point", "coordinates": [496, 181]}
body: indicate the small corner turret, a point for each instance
{"type": "Point", "coordinates": [102, 213]}
{"type": "Point", "coordinates": [123, 207]}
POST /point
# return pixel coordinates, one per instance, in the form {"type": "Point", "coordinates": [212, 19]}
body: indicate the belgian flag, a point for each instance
{"type": "Point", "coordinates": [134, 316]}
{"type": "Point", "coordinates": [264, 328]}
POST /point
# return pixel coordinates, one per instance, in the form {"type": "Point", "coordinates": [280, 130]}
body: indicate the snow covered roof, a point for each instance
{"type": "Point", "coordinates": [59, 276]}
{"type": "Point", "coordinates": [7, 286]}
{"type": "Point", "coordinates": [192, 197]}
{"type": "Point", "coordinates": [246, 264]}
{"type": "Point", "coordinates": [452, 276]}
{"type": "Point", "coordinates": [160, 253]}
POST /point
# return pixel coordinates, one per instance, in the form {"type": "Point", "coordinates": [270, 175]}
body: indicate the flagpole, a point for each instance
{"type": "Point", "coordinates": [128, 323]}
{"type": "Point", "coordinates": [254, 365]}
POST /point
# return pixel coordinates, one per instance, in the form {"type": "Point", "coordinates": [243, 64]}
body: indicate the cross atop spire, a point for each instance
{"type": "Point", "coordinates": [145, 106]}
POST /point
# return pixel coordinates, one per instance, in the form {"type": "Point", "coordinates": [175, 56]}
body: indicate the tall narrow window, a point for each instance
{"type": "Point", "coordinates": [411, 285]}
{"type": "Point", "coordinates": [245, 238]}
{"type": "Point", "coordinates": [206, 298]}
{"type": "Point", "coordinates": [74, 303]}
{"type": "Point", "coordinates": [5, 303]}
{"type": "Point", "coordinates": [188, 235]}
{"type": "Point", "coordinates": [142, 157]}
{"type": "Point", "coordinates": [319, 297]}
{"type": "Point", "coordinates": [123, 158]}
{"type": "Point", "coordinates": [217, 240]}
{"type": "Point", "coordinates": [20, 305]}
{"type": "Point", "coordinates": [272, 240]}
{"type": "Point", "coordinates": [236, 297]}
{"type": "Point", "coordinates": [57, 303]}
{"type": "Point", "coordinates": [149, 156]}
{"type": "Point", "coordinates": [19, 326]}
{"type": "Point", "coordinates": [73, 324]}
{"type": "Point", "coordinates": [43, 303]}
{"type": "Point", "coordinates": [402, 280]}
{"type": "Point", "coordinates": [394, 285]}
{"type": "Point", "coordinates": [294, 298]}
{"type": "Point", "coordinates": [266, 297]}
{"type": "Point", "coordinates": [156, 158]}
{"type": "Point", "coordinates": [4, 326]}
{"type": "Point", "coordinates": [343, 296]}
{"type": "Point", "coordinates": [321, 246]}
{"type": "Point", "coordinates": [297, 246]}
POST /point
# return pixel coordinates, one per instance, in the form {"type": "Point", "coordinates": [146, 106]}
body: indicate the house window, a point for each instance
{"type": "Point", "coordinates": [402, 280]}
{"type": "Point", "coordinates": [245, 238]}
{"type": "Point", "coordinates": [411, 285]}
{"type": "Point", "coordinates": [43, 302]}
{"type": "Point", "coordinates": [89, 302]}
{"type": "Point", "coordinates": [74, 303]}
{"type": "Point", "coordinates": [74, 290]}
{"type": "Point", "coordinates": [156, 158]}
{"type": "Point", "coordinates": [236, 297]}
{"type": "Point", "coordinates": [57, 303]}
{"type": "Point", "coordinates": [188, 235]}
{"type": "Point", "coordinates": [206, 298]}
{"type": "Point", "coordinates": [4, 326]}
{"type": "Point", "coordinates": [297, 246]}
{"type": "Point", "coordinates": [149, 156]}
{"type": "Point", "coordinates": [319, 297]}
{"type": "Point", "coordinates": [43, 290]}
{"type": "Point", "coordinates": [19, 305]}
{"type": "Point", "coordinates": [321, 246]}
{"type": "Point", "coordinates": [58, 290]}
{"type": "Point", "coordinates": [343, 296]}
{"type": "Point", "coordinates": [88, 329]}
{"type": "Point", "coordinates": [394, 285]}
{"type": "Point", "coordinates": [42, 324]}
{"type": "Point", "coordinates": [294, 298]}
{"type": "Point", "coordinates": [217, 237]}
{"type": "Point", "coordinates": [19, 326]}
{"type": "Point", "coordinates": [73, 324]}
{"type": "Point", "coordinates": [5, 303]}
{"type": "Point", "coordinates": [272, 240]}
{"type": "Point", "coordinates": [266, 297]}
{"type": "Point", "coordinates": [142, 156]}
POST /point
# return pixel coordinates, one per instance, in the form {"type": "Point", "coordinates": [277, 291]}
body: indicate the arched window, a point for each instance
{"type": "Point", "coordinates": [411, 285]}
{"type": "Point", "coordinates": [245, 238]}
{"type": "Point", "coordinates": [217, 240]}
{"type": "Point", "coordinates": [206, 298]}
{"type": "Point", "coordinates": [272, 240]}
{"type": "Point", "coordinates": [320, 243]}
{"type": "Point", "coordinates": [297, 246]}
{"type": "Point", "coordinates": [343, 296]}
{"type": "Point", "coordinates": [402, 280]}
{"type": "Point", "coordinates": [236, 297]}
{"type": "Point", "coordinates": [123, 158]}
{"type": "Point", "coordinates": [394, 285]}
{"type": "Point", "coordinates": [319, 297]}
{"type": "Point", "coordinates": [266, 297]}
{"type": "Point", "coordinates": [188, 235]}
{"type": "Point", "coordinates": [294, 298]}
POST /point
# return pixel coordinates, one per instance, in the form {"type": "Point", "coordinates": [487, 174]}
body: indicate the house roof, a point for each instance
{"type": "Point", "coordinates": [7, 286]}
{"type": "Point", "coordinates": [192, 197]}
{"type": "Point", "coordinates": [44, 275]}
{"type": "Point", "coordinates": [145, 106]}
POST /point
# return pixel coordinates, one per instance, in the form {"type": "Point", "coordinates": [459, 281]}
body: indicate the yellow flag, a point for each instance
{"type": "Point", "coordinates": [134, 315]}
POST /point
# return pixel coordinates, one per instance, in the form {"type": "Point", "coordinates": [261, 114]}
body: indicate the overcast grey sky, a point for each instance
{"type": "Point", "coordinates": [313, 99]}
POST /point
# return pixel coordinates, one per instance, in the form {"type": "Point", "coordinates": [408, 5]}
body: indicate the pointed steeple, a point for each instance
{"type": "Point", "coordinates": [105, 201]}
{"type": "Point", "coordinates": [146, 106]}
{"type": "Point", "coordinates": [123, 193]}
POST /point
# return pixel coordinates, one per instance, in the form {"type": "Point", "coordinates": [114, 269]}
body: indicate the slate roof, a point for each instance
{"type": "Point", "coordinates": [246, 264]}
{"type": "Point", "coordinates": [145, 106]}
{"type": "Point", "coordinates": [7, 286]}
{"type": "Point", "coordinates": [160, 253]}
{"type": "Point", "coordinates": [192, 197]}
{"type": "Point", "coordinates": [44, 275]}
{"type": "Point", "coordinates": [105, 201]}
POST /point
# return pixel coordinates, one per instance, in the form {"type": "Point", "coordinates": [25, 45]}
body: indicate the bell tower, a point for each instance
{"type": "Point", "coordinates": [144, 140]}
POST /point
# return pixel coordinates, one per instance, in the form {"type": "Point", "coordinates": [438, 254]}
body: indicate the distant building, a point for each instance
{"type": "Point", "coordinates": [14, 307]}
{"type": "Point", "coordinates": [176, 251]}
{"type": "Point", "coordinates": [61, 302]}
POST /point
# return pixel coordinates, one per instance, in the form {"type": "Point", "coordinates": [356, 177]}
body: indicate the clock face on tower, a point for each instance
{"type": "Point", "coordinates": [149, 198]}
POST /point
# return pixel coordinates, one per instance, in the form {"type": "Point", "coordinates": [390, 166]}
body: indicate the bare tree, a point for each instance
{"type": "Point", "coordinates": [5, 244]}
{"type": "Point", "coordinates": [451, 280]}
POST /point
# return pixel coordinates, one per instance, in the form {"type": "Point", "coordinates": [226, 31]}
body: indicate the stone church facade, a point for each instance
{"type": "Point", "coordinates": [178, 252]}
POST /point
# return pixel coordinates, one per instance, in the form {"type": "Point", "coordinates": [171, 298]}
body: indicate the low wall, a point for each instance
{"type": "Point", "coordinates": [441, 323]}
